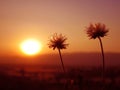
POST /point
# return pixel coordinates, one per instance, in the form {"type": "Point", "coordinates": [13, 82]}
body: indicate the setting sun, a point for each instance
{"type": "Point", "coordinates": [31, 47]}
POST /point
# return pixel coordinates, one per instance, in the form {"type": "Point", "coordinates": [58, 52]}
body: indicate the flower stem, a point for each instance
{"type": "Point", "coordinates": [65, 83]}
{"type": "Point", "coordinates": [61, 60]}
{"type": "Point", "coordinates": [103, 60]}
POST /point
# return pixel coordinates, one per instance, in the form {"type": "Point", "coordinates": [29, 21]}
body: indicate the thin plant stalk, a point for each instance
{"type": "Point", "coordinates": [61, 61]}
{"type": "Point", "coordinates": [63, 67]}
{"type": "Point", "coordinates": [103, 61]}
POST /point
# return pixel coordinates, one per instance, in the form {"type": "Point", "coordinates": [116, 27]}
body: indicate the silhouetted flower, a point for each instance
{"type": "Point", "coordinates": [97, 31]}
{"type": "Point", "coordinates": [58, 41]}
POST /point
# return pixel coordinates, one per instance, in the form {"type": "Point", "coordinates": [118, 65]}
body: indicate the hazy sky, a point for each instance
{"type": "Point", "coordinates": [24, 19]}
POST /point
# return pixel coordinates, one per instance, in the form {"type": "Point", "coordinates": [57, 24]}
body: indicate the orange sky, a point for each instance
{"type": "Point", "coordinates": [38, 19]}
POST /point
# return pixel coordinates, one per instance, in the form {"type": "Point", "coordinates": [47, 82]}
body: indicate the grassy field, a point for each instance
{"type": "Point", "coordinates": [50, 78]}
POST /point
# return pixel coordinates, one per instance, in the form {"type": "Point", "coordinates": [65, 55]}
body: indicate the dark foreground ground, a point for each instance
{"type": "Point", "coordinates": [75, 79]}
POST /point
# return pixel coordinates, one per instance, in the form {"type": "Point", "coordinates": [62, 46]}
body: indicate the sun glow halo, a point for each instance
{"type": "Point", "coordinates": [31, 47]}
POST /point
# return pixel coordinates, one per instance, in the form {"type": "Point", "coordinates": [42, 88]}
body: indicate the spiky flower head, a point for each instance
{"type": "Point", "coordinates": [97, 30]}
{"type": "Point", "coordinates": [57, 41]}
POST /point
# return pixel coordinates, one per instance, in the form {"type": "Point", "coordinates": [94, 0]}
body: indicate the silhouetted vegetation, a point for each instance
{"type": "Point", "coordinates": [97, 31]}
{"type": "Point", "coordinates": [48, 78]}
{"type": "Point", "coordinates": [58, 41]}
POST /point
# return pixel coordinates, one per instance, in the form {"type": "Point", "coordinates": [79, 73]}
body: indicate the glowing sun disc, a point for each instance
{"type": "Point", "coordinates": [31, 47]}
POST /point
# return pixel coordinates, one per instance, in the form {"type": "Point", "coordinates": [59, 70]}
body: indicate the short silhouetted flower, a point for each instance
{"type": "Point", "coordinates": [57, 41]}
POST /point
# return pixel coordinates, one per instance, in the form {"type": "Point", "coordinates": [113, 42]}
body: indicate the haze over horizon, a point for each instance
{"type": "Point", "coordinates": [70, 59]}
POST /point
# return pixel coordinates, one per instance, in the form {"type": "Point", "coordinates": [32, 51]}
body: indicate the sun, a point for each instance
{"type": "Point", "coordinates": [31, 47]}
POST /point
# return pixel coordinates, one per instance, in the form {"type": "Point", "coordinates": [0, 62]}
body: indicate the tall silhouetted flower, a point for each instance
{"type": "Point", "coordinates": [98, 31]}
{"type": "Point", "coordinates": [58, 42]}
